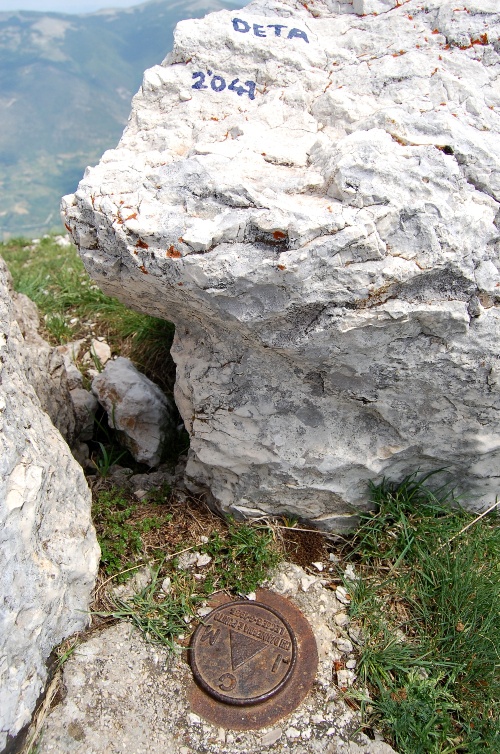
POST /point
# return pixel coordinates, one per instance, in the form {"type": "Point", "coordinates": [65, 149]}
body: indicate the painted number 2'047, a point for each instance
{"type": "Point", "coordinates": [218, 84]}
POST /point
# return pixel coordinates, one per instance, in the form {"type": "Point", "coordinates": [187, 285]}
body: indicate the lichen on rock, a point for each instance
{"type": "Point", "coordinates": [311, 193]}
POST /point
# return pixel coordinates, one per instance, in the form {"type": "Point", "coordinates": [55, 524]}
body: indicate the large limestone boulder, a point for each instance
{"type": "Point", "coordinates": [310, 191]}
{"type": "Point", "coordinates": [48, 549]}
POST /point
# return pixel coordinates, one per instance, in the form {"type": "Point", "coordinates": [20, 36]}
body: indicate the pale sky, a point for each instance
{"type": "Point", "coordinates": [66, 6]}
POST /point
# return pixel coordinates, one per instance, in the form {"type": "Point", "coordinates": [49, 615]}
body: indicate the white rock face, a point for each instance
{"type": "Point", "coordinates": [136, 407]}
{"type": "Point", "coordinates": [311, 193]}
{"type": "Point", "coordinates": [45, 367]}
{"type": "Point", "coordinates": [48, 549]}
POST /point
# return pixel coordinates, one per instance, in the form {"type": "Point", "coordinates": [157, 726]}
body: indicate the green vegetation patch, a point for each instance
{"type": "Point", "coordinates": [73, 307]}
{"type": "Point", "coordinates": [428, 603]}
{"type": "Point", "coordinates": [157, 533]}
{"type": "Point", "coordinates": [121, 525]}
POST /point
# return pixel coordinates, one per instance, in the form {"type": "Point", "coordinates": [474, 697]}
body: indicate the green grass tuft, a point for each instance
{"type": "Point", "coordinates": [429, 605]}
{"type": "Point", "coordinates": [243, 558]}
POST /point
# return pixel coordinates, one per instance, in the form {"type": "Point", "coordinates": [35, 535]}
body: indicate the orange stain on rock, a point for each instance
{"type": "Point", "coordinates": [173, 253]}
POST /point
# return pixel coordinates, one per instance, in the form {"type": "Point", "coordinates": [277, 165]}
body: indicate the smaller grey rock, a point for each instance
{"type": "Point", "coordinates": [345, 646]}
{"type": "Point", "coordinates": [203, 560]}
{"type": "Point", "coordinates": [135, 406]}
{"type": "Point", "coordinates": [188, 560]}
{"type": "Point", "coordinates": [307, 581]}
{"type": "Point", "coordinates": [73, 375]}
{"type": "Point", "coordinates": [345, 678]}
{"type": "Point", "coordinates": [81, 454]}
{"type": "Point", "coordinates": [350, 574]}
{"type": "Point", "coordinates": [120, 475]}
{"type": "Point", "coordinates": [342, 619]}
{"type": "Point", "coordinates": [139, 581]}
{"type": "Point", "coordinates": [487, 277]}
{"type": "Point", "coordinates": [153, 480]}
{"type": "Point", "coordinates": [70, 353]}
{"type": "Point", "coordinates": [84, 406]}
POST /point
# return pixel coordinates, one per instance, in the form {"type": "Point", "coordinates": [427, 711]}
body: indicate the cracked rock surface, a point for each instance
{"type": "Point", "coordinates": [311, 193]}
{"type": "Point", "coordinates": [123, 694]}
{"type": "Point", "coordinates": [48, 549]}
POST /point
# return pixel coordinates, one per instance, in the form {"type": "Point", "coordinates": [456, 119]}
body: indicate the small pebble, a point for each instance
{"type": "Point", "coordinates": [194, 719]}
{"type": "Point", "coordinates": [350, 664]}
{"type": "Point", "coordinates": [345, 678]}
{"type": "Point", "coordinates": [270, 738]}
{"type": "Point", "coordinates": [203, 560]}
{"type": "Point", "coordinates": [293, 733]}
{"type": "Point", "coordinates": [345, 646]}
{"type": "Point", "coordinates": [166, 585]}
{"type": "Point", "coordinates": [349, 573]}
{"type": "Point", "coordinates": [319, 566]}
{"type": "Point", "coordinates": [342, 595]}
{"type": "Point", "coordinates": [317, 719]}
{"type": "Point", "coordinates": [356, 635]}
{"type": "Point", "coordinates": [251, 596]}
{"type": "Point", "coordinates": [188, 560]}
{"type": "Point", "coordinates": [306, 582]}
{"type": "Point", "coordinates": [341, 619]}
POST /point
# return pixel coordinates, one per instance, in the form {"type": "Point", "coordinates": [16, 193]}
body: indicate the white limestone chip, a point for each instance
{"type": "Point", "coordinates": [203, 560]}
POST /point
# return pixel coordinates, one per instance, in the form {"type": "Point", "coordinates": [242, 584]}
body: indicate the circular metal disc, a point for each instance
{"type": "Point", "coordinates": [244, 653]}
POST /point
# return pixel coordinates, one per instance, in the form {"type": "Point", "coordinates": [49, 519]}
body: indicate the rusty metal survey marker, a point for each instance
{"type": "Point", "coordinates": [244, 653]}
{"type": "Point", "coordinates": [253, 662]}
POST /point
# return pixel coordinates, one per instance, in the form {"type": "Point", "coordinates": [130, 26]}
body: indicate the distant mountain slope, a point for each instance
{"type": "Point", "coordinates": [66, 82]}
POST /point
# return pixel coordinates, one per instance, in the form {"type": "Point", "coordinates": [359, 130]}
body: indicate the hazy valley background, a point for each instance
{"type": "Point", "coordinates": [66, 82]}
